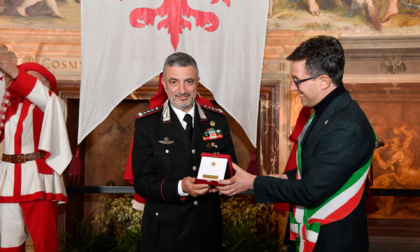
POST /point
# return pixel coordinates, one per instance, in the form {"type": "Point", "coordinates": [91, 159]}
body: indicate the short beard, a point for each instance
{"type": "Point", "coordinates": [186, 106]}
{"type": "Point", "coordinates": [182, 107]}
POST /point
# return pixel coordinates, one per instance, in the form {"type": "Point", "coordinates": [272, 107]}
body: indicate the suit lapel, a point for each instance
{"type": "Point", "coordinates": [327, 116]}
{"type": "Point", "coordinates": [305, 131]}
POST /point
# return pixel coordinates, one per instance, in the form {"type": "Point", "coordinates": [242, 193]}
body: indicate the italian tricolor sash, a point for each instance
{"type": "Point", "coordinates": [305, 223]}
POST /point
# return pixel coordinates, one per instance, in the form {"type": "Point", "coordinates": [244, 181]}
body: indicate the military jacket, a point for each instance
{"type": "Point", "coordinates": [162, 156]}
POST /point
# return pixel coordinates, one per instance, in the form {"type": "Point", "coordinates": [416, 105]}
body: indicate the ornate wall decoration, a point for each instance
{"type": "Point", "coordinates": [381, 73]}
{"type": "Point", "coordinates": [393, 65]}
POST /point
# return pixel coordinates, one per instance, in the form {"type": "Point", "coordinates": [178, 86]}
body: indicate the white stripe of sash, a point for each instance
{"type": "Point", "coordinates": [294, 228]}
{"type": "Point", "coordinates": [311, 236]}
{"type": "Point", "coordinates": [338, 201]}
{"type": "Point", "coordinates": [302, 239]}
{"type": "Point", "coordinates": [300, 210]}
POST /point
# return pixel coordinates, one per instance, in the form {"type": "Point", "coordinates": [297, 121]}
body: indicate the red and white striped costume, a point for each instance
{"type": "Point", "coordinates": [35, 121]}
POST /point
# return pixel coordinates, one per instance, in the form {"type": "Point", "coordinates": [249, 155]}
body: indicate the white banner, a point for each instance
{"type": "Point", "coordinates": [125, 44]}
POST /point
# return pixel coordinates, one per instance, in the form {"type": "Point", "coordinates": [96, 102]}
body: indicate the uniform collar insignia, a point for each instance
{"type": "Point", "coordinates": [166, 113]}
{"type": "Point", "coordinates": [166, 141]}
{"type": "Point", "coordinates": [201, 112]}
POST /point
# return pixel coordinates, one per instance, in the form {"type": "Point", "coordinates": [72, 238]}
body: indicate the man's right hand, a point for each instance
{"type": "Point", "coordinates": [237, 184]}
{"type": "Point", "coordinates": [188, 186]}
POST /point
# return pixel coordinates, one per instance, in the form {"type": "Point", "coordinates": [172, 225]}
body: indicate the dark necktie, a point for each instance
{"type": "Point", "coordinates": [189, 128]}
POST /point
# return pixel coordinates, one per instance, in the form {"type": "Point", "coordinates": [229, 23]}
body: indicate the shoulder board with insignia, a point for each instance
{"type": "Point", "coordinates": [213, 109]}
{"type": "Point", "coordinates": [148, 112]}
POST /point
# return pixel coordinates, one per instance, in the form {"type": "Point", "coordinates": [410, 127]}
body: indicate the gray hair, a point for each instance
{"type": "Point", "coordinates": [180, 59]}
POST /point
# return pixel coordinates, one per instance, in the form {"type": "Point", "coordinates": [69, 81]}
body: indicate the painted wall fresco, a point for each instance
{"type": "Point", "coordinates": [396, 165]}
{"type": "Point", "coordinates": [381, 17]}
{"type": "Point", "coordinates": [350, 17]}
{"type": "Point", "coordinates": [40, 14]}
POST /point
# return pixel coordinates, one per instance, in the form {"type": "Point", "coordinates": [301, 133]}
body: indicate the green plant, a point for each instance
{"type": "Point", "coordinates": [87, 238]}
{"type": "Point", "coordinates": [115, 226]}
{"type": "Point", "coordinates": [117, 215]}
{"type": "Point", "coordinates": [249, 226]}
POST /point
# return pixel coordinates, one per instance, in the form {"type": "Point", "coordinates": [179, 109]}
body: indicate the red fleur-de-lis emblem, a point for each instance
{"type": "Point", "coordinates": [175, 11]}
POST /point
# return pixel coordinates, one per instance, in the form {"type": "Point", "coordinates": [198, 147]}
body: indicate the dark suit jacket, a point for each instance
{"type": "Point", "coordinates": [162, 155]}
{"type": "Point", "coordinates": [340, 143]}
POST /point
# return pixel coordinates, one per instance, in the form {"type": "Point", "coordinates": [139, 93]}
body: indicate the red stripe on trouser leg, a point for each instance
{"type": "Point", "coordinates": [41, 220]}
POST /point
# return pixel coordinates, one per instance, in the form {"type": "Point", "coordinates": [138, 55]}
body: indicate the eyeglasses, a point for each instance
{"type": "Point", "coordinates": [297, 82]}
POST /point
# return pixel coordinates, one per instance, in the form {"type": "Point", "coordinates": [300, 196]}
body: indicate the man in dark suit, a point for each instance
{"type": "Point", "coordinates": [327, 189]}
{"type": "Point", "coordinates": [179, 215]}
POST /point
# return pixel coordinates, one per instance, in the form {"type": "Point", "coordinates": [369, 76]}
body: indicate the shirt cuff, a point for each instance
{"type": "Point", "coordinates": [180, 192]}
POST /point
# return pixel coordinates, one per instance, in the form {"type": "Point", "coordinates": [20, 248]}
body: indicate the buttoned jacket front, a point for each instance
{"type": "Point", "coordinates": [340, 143]}
{"type": "Point", "coordinates": [162, 156]}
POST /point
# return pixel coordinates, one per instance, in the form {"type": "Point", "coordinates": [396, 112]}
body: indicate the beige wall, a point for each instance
{"type": "Point", "coordinates": [382, 73]}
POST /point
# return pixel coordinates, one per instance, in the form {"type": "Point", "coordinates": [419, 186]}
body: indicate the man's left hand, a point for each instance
{"type": "Point", "coordinates": [188, 186]}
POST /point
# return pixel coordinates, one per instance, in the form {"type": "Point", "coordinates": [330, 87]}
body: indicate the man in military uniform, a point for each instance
{"type": "Point", "coordinates": [179, 214]}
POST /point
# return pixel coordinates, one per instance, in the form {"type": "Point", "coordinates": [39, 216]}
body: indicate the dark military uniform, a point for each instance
{"type": "Point", "coordinates": [162, 155]}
